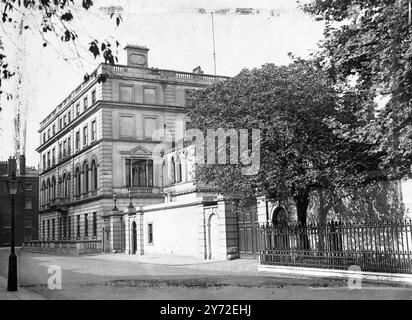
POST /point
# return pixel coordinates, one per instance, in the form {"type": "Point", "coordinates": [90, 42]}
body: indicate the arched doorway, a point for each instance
{"type": "Point", "coordinates": [213, 228]}
{"type": "Point", "coordinates": [134, 238]}
{"type": "Point", "coordinates": [280, 216]}
{"type": "Point", "coordinates": [280, 234]}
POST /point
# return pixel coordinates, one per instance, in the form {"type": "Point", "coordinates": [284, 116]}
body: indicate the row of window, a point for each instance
{"type": "Point", "coordinates": [93, 135]}
{"type": "Point", "coordinates": [67, 118]}
{"type": "Point", "coordinates": [67, 228]}
{"type": "Point", "coordinates": [49, 158]}
{"type": "Point", "coordinates": [138, 173]}
{"type": "Point", "coordinates": [84, 181]}
{"type": "Point", "coordinates": [127, 94]}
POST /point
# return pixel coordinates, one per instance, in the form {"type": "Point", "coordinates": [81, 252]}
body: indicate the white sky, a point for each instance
{"type": "Point", "coordinates": [178, 38]}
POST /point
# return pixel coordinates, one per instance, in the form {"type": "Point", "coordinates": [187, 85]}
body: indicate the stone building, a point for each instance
{"type": "Point", "coordinates": [26, 202]}
{"type": "Point", "coordinates": [114, 178]}
{"type": "Point", "coordinates": [101, 188]}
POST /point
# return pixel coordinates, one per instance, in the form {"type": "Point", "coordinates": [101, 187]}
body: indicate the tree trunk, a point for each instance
{"type": "Point", "coordinates": [302, 203]}
{"type": "Point", "coordinates": [322, 215]}
{"type": "Point", "coordinates": [323, 208]}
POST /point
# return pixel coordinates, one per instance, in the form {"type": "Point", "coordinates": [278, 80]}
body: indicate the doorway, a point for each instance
{"type": "Point", "coordinates": [213, 237]}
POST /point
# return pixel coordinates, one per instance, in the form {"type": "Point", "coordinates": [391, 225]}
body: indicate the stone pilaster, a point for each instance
{"type": "Point", "coordinates": [116, 233]}
{"type": "Point", "coordinates": [127, 233]}
{"type": "Point", "coordinates": [202, 231]}
{"type": "Point", "coordinates": [263, 210]}
{"type": "Point", "coordinates": [228, 229]}
{"type": "Point", "coordinates": [140, 232]}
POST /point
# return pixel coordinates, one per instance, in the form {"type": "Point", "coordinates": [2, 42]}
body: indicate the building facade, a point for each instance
{"type": "Point", "coordinates": [26, 202]}
{"type": "Point", "coordinates": [114, 179]}
{"type": "Point", "coordinates": [106, 139]}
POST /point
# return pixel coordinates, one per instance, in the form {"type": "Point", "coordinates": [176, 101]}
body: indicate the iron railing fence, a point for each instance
{"type": "Point", "coordinates": [376, 246]}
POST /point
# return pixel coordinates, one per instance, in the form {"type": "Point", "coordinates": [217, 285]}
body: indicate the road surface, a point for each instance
{"type": "Point", "coordinates": [132, 277]}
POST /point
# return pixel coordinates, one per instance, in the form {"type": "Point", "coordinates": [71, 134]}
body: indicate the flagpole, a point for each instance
{"type": "Point", "coordinates": [214, 47]}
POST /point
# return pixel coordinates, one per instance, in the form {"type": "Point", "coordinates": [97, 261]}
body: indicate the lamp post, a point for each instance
{"type": "Point", "coordinates": [13, 186]}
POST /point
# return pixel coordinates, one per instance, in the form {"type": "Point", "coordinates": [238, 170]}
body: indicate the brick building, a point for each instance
{"type": "Point", "coordinates": [26, 205]}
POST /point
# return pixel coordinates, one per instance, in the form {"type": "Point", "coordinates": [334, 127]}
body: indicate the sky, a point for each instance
{"type": "Point", "coordinates": [178, 34]}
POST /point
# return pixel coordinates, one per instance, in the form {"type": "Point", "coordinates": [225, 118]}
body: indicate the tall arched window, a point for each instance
{"type": "Point", "coordinates": [280, 216]}
{"type": "Point", "coordinates": [67, 186]}
{"type": "Point", "coordinates": [54, 188]}
{"type": "Point", "coordinates": [94, 175]}
{"type": "Point", "coordinates": [77, 187]}
{"type": "Point", "coordinates": [178, 169]}
{"type": "Point", "coordinates": [48, 191]}
{"type": "Point", "coordinates": [64, 185]}
{"type": "Point", "coordinates": [172, 171]}
{"type": "Point", "coordinates": [44, 190]}
{"type": "Point", "coordinates": [164, 173]}
{"type": "Point", "coordinates": [86, 177]}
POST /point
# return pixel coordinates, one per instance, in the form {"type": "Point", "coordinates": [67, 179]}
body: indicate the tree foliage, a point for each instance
{"type": "Point", "coordinates": [54, 17]}
{"type": "Point", "coordinates": [299, 112]}
{"type": "Point", "coordinates": [369, 42]}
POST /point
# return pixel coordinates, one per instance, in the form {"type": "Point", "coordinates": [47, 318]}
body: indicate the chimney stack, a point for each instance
{"type": "Point", "coordinates": [21, 165]}
{"type": "Point", "coordinates": [137, 56]}
{"type": "Point", "coordinates": [12, 167]}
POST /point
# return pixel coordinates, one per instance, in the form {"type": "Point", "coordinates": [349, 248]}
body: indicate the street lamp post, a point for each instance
{"type": "Point", "coordinates": [13, 185]}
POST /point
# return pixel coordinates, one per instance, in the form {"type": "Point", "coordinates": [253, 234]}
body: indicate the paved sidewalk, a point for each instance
{"type": "Point", "coordinates": [153, 259]}
{"type": "Point", "coordinates": [21, 294]}
{"type": "Point", "coordinates": [246, 266]}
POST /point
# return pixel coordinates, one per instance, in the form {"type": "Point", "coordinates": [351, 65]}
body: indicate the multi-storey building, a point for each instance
{"type": "Point", "coordinates": [26, 202]}
{"type": "Point", "coordinates": [109, 181]}
{"type": "Point", "coordinates": [101, 141]}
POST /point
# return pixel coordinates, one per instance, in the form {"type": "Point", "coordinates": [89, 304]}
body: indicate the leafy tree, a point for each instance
{"type": "Point", "coordinates": [54, 17]}
{"type": "Point", "coordinates": [299, 112]}
{"type": "Point", "coordinates": [376, 201]}
{"type": "Point", "coordinates": [368, 43]}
